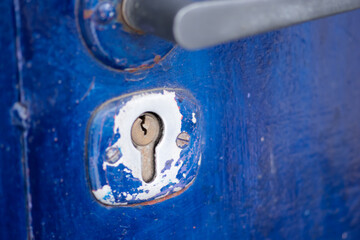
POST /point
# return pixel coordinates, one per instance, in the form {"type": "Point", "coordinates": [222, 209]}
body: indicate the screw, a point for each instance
{"type": "Point", "coordinates": [183, 140]}
{"type": "Point", "coordinates": [105, 12]}
{"type": "Point", "coordinates": [112, 154]}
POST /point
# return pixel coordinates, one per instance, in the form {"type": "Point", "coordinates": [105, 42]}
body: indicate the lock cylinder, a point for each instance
{"type": "Point", "coordinates": [144, 148]}
{"type": "Point", "coordinates": [146, 133]}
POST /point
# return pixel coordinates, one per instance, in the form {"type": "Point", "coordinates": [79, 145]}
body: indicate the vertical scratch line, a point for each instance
{"type": "Point", "coordinates": [24, 157]}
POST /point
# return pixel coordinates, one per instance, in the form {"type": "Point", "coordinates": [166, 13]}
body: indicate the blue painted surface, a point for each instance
{"type": "Point", "coordinates": [99, 33]}
{"type": "Point", "coordinates": [119, 183]}
{"type": "Point", "coordinates": [281, 112]}
{"type": "Point", "coordinates": [12, 195]}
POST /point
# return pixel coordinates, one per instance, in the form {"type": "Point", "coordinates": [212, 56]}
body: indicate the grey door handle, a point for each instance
{"type": "Point", "coordinates": [195, 25]}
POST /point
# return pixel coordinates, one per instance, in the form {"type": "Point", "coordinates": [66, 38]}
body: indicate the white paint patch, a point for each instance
{"type": "Point", "coordinates": [105, 195]}
{"type": "Point", "coordinates": [164, 105]}
{"type": "Point", "coordinates": [193, 118]}
{"type": "Point", "coordinates": [177, 189]}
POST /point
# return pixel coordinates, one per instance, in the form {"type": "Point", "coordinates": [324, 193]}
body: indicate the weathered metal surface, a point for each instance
{"type": "Point", "coordinates": [129, 180]}
{"type": "Point", "coordinates": [281, 133]}
{"type": "Point", "coordinates": [108, 40]}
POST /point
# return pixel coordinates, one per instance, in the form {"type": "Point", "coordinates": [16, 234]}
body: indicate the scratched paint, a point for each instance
{"type": "Point", "coordinates": [120, 182]}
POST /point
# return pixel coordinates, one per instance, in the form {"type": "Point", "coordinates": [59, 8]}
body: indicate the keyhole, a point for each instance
{"type": "Point", "coordinates": [142, 124]}
{"type": "Point", "coordinates": [146, 133]}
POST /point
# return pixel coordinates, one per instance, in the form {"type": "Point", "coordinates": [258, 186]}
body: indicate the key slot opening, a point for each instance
{"type": "Point", "coordinates": [146, 133]}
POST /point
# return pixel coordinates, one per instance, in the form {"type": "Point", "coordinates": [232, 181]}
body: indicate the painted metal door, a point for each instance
{"type": "Point", "coordinates": [280, 124]}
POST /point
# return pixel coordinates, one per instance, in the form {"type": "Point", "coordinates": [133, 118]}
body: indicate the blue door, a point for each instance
{"type": "Point", "coordinates": [278, 132]}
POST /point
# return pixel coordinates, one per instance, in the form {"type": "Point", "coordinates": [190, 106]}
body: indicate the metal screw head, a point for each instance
{"type": "Point", "coordinates": [145, 130]}
{"type": "Point", "coordinates": [183, 140]}
{"type": "Point", "coordinates": [112, 154]}
{"type": "Point", "coordinates": [105, 12]}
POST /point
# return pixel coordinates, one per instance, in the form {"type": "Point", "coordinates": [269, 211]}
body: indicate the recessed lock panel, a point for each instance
{"type": "Point", "coordinates": [103, 31]}
{"type": "Point", "coordinates": [144, 147]}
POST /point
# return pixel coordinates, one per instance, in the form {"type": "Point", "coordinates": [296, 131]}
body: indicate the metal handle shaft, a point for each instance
{"type": "Point", "coordinates": [195, 25]}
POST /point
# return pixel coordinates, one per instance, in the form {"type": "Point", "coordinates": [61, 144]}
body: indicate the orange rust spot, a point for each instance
{"type": "Point", "coordinates": [87, 13]}
{"type": "Point", "coordinates": [141, 67]}
{"type": "Point", "coordinates": [157, 59]}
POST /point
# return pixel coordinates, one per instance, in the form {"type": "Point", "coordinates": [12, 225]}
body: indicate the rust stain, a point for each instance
{"type": "Point", "coordinates": [87, 13]}
{"type": "Point", "coordinates": [157, 59]}
{"type": "Point", "coordinates": [162, 199]}
{"type": "Point", "coordinates": [155, 200]}
{"type": "Point", "coordinates": [141, 67]}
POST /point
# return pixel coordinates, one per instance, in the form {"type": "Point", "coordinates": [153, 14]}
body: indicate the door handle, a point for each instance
{"type": "Point", "coordinates": [195, 25]}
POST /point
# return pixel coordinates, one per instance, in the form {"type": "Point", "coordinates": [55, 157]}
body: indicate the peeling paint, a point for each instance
{"type": "Point", "coordinates": [105, 194]}
{"type": "Point", "coordinates": [121, 183]}
{"type": "Point", "coordinates": [193, 118]}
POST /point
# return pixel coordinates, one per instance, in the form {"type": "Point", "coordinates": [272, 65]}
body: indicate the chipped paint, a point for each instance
{"type": "Point", "coordinates": [105, 194]}
{"type": "Point", "coordinates": [121, 183]}
{"type": "Point", "coordinates": [193, 118]}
